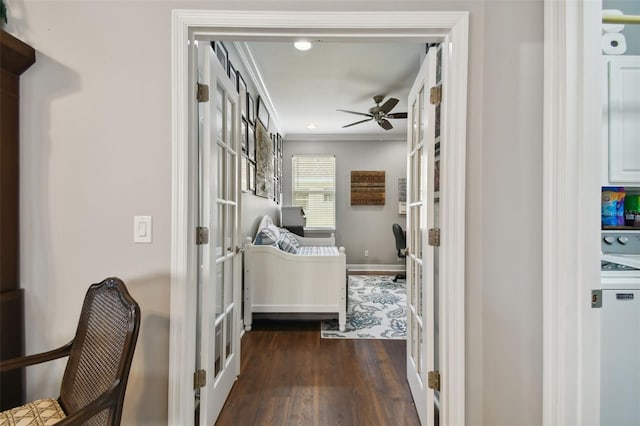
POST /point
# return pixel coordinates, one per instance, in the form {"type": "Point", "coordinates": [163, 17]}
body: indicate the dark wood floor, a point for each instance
{"type": "Point", "coordinates": [290, 376]}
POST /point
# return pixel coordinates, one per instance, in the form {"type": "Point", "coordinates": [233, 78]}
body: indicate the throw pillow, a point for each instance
{"type": "Point", "coordinates": [292, 237]}
{"type": "Point", "coordinates": [266, 237]}
{"type": "Point", "coordinates": [287, 244]}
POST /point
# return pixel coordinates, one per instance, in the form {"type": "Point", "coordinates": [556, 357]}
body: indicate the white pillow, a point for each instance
{"type": "Point", "coordinates": [268, 236]}
{"type": "Point", "coordinates": [275, 230]}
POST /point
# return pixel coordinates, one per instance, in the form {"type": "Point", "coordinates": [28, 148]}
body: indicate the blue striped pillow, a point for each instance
{"type": "Point", "coordinates": [266, 237]}
{"type": "Point", "coordinates": [288, 243]}
{"type": "Point", "coordinates": [292, 237]}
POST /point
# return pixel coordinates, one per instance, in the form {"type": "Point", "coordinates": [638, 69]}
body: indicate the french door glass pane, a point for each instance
{"type": "Point", "coordinates": [231, 213]}
{"type": "Point", "coordinates": [418, 230]}
{"type": "Point", "coordinates": [418, 281]}
{"type": "Point", "coordinates": [222, 171]}
{"type": "Point", "coordinates": [420, 115]}
{"type": "Point", "coordinates": [419, 172]}
{"type": "Point", "coordinates": [228, 115]}
{"type": "Point", "coordinates": [244, 174]}
{"type": "Point", "coordinates": [414, 125]}
{"type": "Point", "coordinates": [417, 330]}
{"type": "Point", "coordinates": [231, 166]}
{"type": "Point", "coordinates": [217, 365]}
{"type": "Point", "coordinates": [415, 296]}
{"type": "Point", "coordinates": [218, 287]}
{"type": "Point", "coordinates": [229, 321]}
{"type": "Point", "coordinates": [415, 159]}
{"type": "Point", "coordinates": [423, 361]}
{"type": "Point", "coordinates": [219, 114]}
{"type": "Point", "coordinates": [219, 230]}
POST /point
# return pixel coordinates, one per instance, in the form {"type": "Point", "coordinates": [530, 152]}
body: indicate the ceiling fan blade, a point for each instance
{"type": "Point", "coordinates": [388, 105]}
{"type": "Point", "coordinates": [354, 112]}
{"type": "Point", "coordinates": [358, 122]}
{"type": "Point", "coordinates": [385, 124]}
{"type": "Point", "coordinates": [397, 115]}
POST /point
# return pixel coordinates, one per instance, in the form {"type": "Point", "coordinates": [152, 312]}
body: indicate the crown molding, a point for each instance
{"type": "Point", "coordinates": [350, 137]}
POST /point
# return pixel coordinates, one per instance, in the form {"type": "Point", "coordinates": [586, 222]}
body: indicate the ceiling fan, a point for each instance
{"type": "Point", "coordinates": [379, 113]}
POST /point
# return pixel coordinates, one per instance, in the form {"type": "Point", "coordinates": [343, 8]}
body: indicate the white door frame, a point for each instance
{"type": "Point", "coordinates": [571, 214]}
{"type": "Point", "coordinates": [234, 25]}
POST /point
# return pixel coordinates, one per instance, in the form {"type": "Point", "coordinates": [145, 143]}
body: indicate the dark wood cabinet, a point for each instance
{"type": "Point", "coordinates": [15, 58]}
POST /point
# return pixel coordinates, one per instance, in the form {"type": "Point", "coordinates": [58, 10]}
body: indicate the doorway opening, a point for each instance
{"type": "Point", "coordinates": [450, 28]}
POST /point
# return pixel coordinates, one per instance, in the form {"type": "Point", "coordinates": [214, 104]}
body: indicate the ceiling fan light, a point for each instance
{"type": "Point", "coordinates": [302, 45]}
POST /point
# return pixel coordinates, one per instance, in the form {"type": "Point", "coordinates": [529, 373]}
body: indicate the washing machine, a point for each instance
{"type": "Point", "coordinates": [620, 348]}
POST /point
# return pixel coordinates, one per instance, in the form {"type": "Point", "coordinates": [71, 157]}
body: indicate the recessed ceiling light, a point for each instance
{"type": "Point", "coordinates": [311, 126]}
{"type": "Point", "coordinates": [302, 45]}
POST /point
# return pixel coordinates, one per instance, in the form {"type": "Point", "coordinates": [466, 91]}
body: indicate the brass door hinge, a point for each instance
{"type": "Point", "coordinates": [202, 235]}
{"type": "Point", "coordinates": [435, 95]}
{"type": "Point", "coordinates": [199, 379]}
{"type": "Point", "coordinates": [434, 237]}
{"type": "Point", "coordinates": [434, 380]}
{"type": "Point", "coordinates": [202, 92]}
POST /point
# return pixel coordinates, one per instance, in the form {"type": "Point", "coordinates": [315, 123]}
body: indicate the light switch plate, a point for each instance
{"type": "Point", "coordinates": [142, 228]}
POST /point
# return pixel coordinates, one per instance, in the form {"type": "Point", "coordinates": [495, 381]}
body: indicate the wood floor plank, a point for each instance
{"type": "Point", "coordinates": [291, 376]}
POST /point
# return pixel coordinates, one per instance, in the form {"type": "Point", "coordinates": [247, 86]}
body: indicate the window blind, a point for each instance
{"type": "Point", "coordinates": [314, 188]}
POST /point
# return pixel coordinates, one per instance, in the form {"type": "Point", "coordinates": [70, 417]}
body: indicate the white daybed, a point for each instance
{"type": "Point", "coordinates": [276, 281]}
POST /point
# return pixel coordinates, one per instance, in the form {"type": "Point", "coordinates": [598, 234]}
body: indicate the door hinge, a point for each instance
{"type": "Point", "coordinates": [434, 237]}
{"type": "Point", "coordinates": [434, 380]}
{"type": "Point", "coordinates": [202, 92]}
{"type": "Point", "coordinates": [596, 298]}
{"type": "Point", "coordinates": [436, 95]}
{"type": "Point", "coordinates": [202, 235]}
{"type": "Point", "coordinates": [199, 379]}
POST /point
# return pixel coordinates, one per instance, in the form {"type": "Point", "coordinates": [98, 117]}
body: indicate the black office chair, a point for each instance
{"type": "Point", "coordinates": [401, 247]}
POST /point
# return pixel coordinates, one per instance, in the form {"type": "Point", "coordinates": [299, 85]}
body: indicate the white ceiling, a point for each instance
{"type": "Point", "coordinates": [308, 87]}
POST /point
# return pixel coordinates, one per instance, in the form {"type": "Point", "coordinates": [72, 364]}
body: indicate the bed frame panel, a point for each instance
{"type": "Point", "coordinates": [280, 282]}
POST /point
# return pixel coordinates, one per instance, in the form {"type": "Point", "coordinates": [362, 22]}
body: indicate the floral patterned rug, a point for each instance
{"type": "Point", "coordinates": [376, 309]}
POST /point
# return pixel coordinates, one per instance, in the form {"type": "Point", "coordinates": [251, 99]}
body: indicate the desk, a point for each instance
{"type": "Point", "coordinates": [298, 230]}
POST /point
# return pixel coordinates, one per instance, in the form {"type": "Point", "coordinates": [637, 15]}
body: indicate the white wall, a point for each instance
{"type": "Point", "coordinates": [359, 228]}
{"type": "Point", "coordinates": [96, 150]}
{"type": "Point", "coordinates": [511, 220]}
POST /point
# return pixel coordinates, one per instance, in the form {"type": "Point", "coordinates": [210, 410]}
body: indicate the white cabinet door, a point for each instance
{"type": "Point", "coordinates": [624, 120]}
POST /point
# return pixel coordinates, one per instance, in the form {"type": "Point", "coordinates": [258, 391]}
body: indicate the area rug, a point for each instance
{"type": "Point", "coordinates": [376, 309]}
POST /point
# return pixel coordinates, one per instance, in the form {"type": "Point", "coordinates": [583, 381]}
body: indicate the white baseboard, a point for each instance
{"type": "Point", "coordinates": [369, 267]}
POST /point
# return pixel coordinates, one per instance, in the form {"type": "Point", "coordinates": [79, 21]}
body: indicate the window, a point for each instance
{"type": "Point", "coordinates": [314, 188]}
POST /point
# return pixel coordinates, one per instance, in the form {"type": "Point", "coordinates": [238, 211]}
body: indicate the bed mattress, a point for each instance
{"type": "Point", "coordinates": [318, 251]}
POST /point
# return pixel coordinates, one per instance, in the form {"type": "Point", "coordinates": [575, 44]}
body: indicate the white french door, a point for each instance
{"type": "Point", "coordinates": [422, 256]}
{"type": "Point", "coordinates": [219, 262]}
